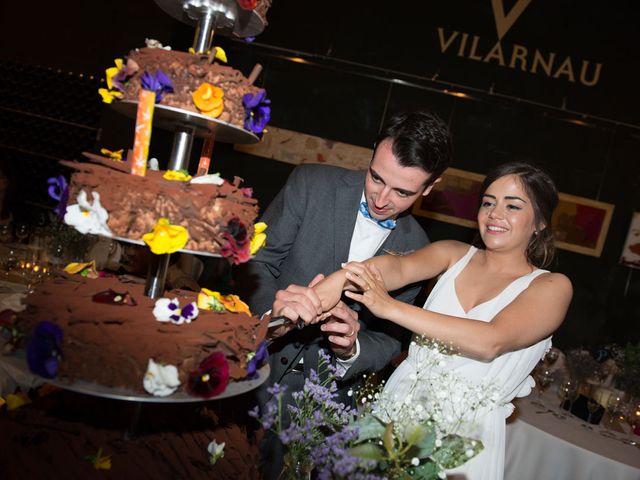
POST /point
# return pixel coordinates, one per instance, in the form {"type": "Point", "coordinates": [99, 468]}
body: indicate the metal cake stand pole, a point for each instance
{"type": "Point", "coordinates": [157, 275]}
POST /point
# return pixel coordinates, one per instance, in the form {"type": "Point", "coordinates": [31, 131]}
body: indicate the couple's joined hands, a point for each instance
{"type": "Point", "coordinates": [320, 301]}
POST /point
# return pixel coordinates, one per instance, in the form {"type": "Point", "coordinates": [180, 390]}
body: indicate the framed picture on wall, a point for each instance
{"type": "Point", "coordinates": [631, 250]}
{"type": "Point", "coordinates": [580, 224]}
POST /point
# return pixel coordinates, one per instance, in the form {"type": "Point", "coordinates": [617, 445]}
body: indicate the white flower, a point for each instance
{"type": "Point", "coordinates": [153, 43]}
{"type": "Point", "coordinates": [469, 453]}
{"type": "Point", "coordinates": [214, 179]}
{"type": "Point", "coordinates": [350, 392]}
{"type": "Point", "coordinates": [153, 164]}
{"type": "Point", "coordinates": [167, 310]}
{"type": "Point", "coordinates": [160, 380]}
{"type": "Point", "coordinates": [86, 217]}
{"type": "Point", "coordinates": [216, 450]}
{"type": "Point", "coordinates": [415, 461]}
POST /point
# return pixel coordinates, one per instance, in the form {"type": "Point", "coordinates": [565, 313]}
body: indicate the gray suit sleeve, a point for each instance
{"type": "Point", "coordinates": [283, 218]}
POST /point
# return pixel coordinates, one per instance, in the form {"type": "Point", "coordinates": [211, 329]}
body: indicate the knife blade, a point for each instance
{"type": "Point", "coordinates": [282, 320]}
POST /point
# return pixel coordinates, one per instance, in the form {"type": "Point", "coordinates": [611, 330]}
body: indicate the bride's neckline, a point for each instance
{"type": "Point", "coordinates": [495, 297]}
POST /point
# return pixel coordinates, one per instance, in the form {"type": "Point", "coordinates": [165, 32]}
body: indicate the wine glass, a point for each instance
{"type": "Point", "coordinates": [22, 232]}
{"type": "Point", "coordinates": [543, 379]}
{"type": "Point", "coordinates": [592, 407]}
{"type": "Point", "coordinates": [567, 392]}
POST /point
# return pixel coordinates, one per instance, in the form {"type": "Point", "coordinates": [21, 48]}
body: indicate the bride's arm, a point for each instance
{"type": "Point", "coordinates": [522, 323]}
{"type": "Point", "coordinates": [397, 271]}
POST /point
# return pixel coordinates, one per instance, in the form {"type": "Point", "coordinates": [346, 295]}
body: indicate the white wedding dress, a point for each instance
{"type": "Point", "coordinates": [508, 374]}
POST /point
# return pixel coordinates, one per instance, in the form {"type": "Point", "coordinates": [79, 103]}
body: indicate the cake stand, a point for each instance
{"type": "Point", "coordinates": [209, 16]}
{"type": "Point", "coordinates": [17, 364]}
{"type": "Point", "coordinates": [186, 125]}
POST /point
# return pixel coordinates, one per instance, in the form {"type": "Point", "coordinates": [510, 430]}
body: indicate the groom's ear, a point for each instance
{"type": "Point", "coordinates": [427, 190]}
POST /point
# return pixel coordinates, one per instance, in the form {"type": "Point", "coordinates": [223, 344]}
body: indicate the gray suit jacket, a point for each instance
{"type": "Point", "coordinates": [310, 223]}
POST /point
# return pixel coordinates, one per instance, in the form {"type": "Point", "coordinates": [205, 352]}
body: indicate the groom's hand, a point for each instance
{"type": "Point", "coordinates": [342, 328]}
{"type": "Point", "coordinates": [298, 303]}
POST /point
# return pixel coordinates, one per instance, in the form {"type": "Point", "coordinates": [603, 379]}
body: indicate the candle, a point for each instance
{"type": "Point", "coordinates": [142, 137]}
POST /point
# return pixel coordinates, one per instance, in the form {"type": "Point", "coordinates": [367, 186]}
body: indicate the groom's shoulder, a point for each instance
{"type": "Point", "coordinates": [329, 175]}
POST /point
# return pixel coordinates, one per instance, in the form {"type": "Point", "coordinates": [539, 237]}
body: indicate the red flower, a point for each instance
{"type": "Point", "coordinates": [211, 378]}
{"type": "Point", "coordinates": [248, 4]}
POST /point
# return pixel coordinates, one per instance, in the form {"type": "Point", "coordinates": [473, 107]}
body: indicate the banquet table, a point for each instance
{"type": "Point", "coordinates": [541, 445]}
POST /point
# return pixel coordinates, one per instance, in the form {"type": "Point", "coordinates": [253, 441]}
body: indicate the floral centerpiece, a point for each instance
{"type": "Point", "coordinates": [417, 436]}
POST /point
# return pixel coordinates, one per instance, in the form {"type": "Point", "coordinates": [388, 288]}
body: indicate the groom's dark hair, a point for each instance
{"type": "Point", "coordinates": [420, 139]}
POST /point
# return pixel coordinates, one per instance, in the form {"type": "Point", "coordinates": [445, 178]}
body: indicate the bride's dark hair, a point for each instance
{"type": "Point", "coordinates": [543, 193]}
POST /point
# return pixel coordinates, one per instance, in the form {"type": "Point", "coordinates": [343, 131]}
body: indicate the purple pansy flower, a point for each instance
{"type": "Point", "coordinates": [59, 190]}
{"type": "Point", "coordinates": [158, 83]}
{"type": "Point", "coordinates": [124, 74]}
{"type": "Point", "coordinates": [44, 349]}
{"type": "Point", "coordinates": [167, 310]}
{"type": "Point", "coordinates": [257, 360]}
{"type": "Point", "coordinates": [257, 111]}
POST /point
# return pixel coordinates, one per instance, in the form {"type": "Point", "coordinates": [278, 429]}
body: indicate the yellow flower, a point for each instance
{"type": "Point", "coordinates": [17, 400]}
{"type": "Point", "coordinates": [166, 238]}
{"type": "Point", "coordinates": [220, 54]}
{"type": "Point", "coordinates": [259, 237]}
{"type": "Point", "coordinates": [176, 175]}
{"type": "Point", "coordinates": [87, 269]}
{"type": "Point", "coordinates": [113, 71]}
{"type": "Point", "coordinates": [99, 461]}
{"type": "Point", "coordinates": [109, 95]}
{"type": "Point", "coordinates": [209, 300]}
{"type": "Point", "coordinates": [116, 155]}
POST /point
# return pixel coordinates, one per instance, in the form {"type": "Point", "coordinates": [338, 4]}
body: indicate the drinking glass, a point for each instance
{"type": "Point", "coordinates": [592, 407]}
{"type": "Point", "coordinates": [22, 232]}
{"type": "Point", "coordinates": [543, 379]}
{"type": "Point", "coordinates": [567, 392]}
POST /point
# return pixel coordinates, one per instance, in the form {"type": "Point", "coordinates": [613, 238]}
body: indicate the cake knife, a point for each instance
{"type": "Point", "coordinates": [282, 320]}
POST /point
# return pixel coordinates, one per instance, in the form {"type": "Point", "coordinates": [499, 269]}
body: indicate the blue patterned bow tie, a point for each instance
{"type": "Point", "coordinates": [389, 224]}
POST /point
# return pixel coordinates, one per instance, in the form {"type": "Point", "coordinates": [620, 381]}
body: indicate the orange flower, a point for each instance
{"type": "Point", "coordinates": [208, 99]}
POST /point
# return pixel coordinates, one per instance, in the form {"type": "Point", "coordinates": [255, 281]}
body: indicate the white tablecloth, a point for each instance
{"type": "Point", "coordinates": [541, 446]}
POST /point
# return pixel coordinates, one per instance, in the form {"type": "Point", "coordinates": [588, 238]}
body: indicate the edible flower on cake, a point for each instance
{"type": "Point", "coordinates": [208, 100]}
{"type": "Point", "coordinates": [166, 238]}
{"type": "Point", "coordinates": [257, 359]}
{"type": "Point", "coordinates": [237, 246]}
{"type": "Point", "coordinates": [114, 155]}
{"type": "Point", "coordinates": [44, 349]}
{"type": "Point", "coordinates": [209, 179]}
{"type": "Point", "coordinates": [88, 217]}
{"type": "Point", "coordinates": [100, 461]}
{"type": "Point", "coordinates": [216, 451]}
{"type": "Point", "coordinates": [257, 111]}
{"type": "Point", "coordinates": [210, 300]}
{"type": "Point", "coordinates": [179, 175]}
{"type": "Point", "coordinates": [157, 82]}
{"type": "Point", "coordinates": [259, 238]}
{"type": "Point", "coordinates": [153, 43]}
{"type": "Point", "coordinates": [59, 190]}
{"type": "Point", "coordinates": [85, 269]}
{"type": "Point", "coordinates": [211, 377]}
{"type": "Point", "coordinates": [167, 310]}
{"type": "Point", "coordinates": [160, 380]}
{"type": "Point", "coordinates": [16, 400]}
{"type": "Point", "coordinates": [114, 298]}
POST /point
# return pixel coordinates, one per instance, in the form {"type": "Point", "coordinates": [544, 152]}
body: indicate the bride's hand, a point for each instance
{"type": "Point", "coordinates": [373, 292]}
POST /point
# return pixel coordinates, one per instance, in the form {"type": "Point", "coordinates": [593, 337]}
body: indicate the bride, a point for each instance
{"type": "Point", "coordinates": [493, 303]}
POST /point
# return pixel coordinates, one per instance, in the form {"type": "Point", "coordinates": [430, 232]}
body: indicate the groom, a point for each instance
{"type": "Point", "coordinates": [325, 216]}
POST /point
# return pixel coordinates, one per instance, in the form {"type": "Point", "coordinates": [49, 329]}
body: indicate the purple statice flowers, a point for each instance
{"type": "Point", "coordinates": [257, 360]}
